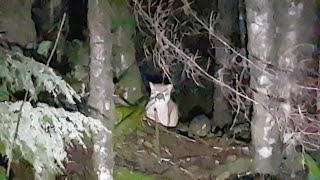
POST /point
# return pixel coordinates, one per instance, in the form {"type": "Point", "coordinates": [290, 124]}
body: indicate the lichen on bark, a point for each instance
{"type": "Point", "coordinates": [101, 85]}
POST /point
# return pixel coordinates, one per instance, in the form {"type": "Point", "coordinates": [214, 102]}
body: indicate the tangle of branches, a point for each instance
{"type": "Point", "coordinates": [165, 24]}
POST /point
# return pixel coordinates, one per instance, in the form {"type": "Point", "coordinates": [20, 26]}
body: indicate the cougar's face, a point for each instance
{"type": "Point", "coordinates": [160, 92]}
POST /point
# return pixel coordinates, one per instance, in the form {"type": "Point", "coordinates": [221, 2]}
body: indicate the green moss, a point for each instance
{"type": "Point", "coordinates": [118, 2]}
{"type": "Point", "coordinates": [130, 120]}
{"type": "Point", "coordinates": [4, 95]}
{"type": "Point", "coordinates": [314, 170]}
{"type": "Point", "coordinates": [75, 50]}
{"type": "Point", "coordinates": [2, 148]}
{"type": "Point", "coordinates": [124, 174]}
{"type": "Point", "coordinates": [2, 173]}
{"type": "Point", "coordinates": [128, 23]}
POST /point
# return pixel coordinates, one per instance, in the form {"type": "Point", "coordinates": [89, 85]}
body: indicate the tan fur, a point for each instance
{"type": "Point", "coordinates": [167, 110]}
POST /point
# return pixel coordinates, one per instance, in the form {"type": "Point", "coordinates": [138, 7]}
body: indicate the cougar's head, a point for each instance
{"type": "Point", "coordinates": [161, 93]}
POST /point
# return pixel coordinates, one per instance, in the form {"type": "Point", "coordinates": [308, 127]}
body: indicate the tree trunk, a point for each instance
{"type": "Point", "coordinates": [275, 29]}
{"type": "Point", "coordinates": [293, 19]}
{"type": "Point", "coordinates": [101, 85]}
{"type": "Point", "coordinates": [265, 135]}
{"type": "Point", "coordinates": [228, 16]}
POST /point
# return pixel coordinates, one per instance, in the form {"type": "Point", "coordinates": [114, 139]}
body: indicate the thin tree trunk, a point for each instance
{"type": "Point", "coordinates": [265, 135]}
{"type": "Point", "coordinates": [228, 16]}
{"type": "Point", "coordinates": [245, 77]}
{"type": "Point", "coordinates": [101, 85]}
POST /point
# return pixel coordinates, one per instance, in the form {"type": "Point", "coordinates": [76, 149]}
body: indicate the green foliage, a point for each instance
{"type": "Point", "coordinates": [2, 148]}
{"type": "Point", "coordinates": [2, 173]}
{"type": "Point", "coordinates": [314, 170]}
{"type": "Point", "coordinates": [4, 94]}
{"type": "Point", "coordinates": [118, 2]}
{"type": "Point", "coordinates": [130, 120]}
{"type": "Point", "coordinates": [318, 3]}
{"type": "Point", "coordinates": [44, 48]}
{"type": "Point", "coordinates": [125, 174]}
{"type": "Point", "coordinates": [128, 23]}
{"type": "Point", "coordinates": [75, 50]}
{"type": "Point", "coordinates": [2, 59]}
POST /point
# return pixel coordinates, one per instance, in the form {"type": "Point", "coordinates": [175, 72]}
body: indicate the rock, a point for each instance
{"type": "Point", "coordinates": [182, 127]}
{"type": "Point", "coordinates": [225, 175]}
{"type": "Point", "coordinates": [16, 21]}
{"type": "Point", "coordinates": [242, 131]}
{"type": "Point", "coordinates": [199, 126]}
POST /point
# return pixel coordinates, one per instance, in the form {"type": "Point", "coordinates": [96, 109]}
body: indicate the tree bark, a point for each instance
{"type": "Point", "coordinates": [293, 19]}
{"type": "Point", "coordinates": [265, 135]}
{"type": "Point", "coordinates": [275, 29]}
{"type": "Point", "coordinates": [228, 16]}
{"type": "Point", "coordinates": [101, 85]}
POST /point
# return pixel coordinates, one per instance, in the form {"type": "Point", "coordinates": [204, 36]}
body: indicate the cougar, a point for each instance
{"type": "Point", "coordinates": [160, 107]}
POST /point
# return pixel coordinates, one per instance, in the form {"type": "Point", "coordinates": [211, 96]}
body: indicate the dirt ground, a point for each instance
{"type": "Point", "coordinates": [180, 157]}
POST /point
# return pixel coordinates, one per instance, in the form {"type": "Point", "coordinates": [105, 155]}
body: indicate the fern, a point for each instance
{"type": "Point", "coordinates": [23, 73]}
{"type": "Point", "coordinates": [44, 132]}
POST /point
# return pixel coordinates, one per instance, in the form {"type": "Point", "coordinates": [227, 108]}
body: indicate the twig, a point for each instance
{"type": "Point", "coordinates": [57, 40]}
{"type": "Point", "coordinates": [185, 171]}
{"type": "Point", "coordinates": [157, 138]}
{"type": "Point", "coordinates": [15, 135]}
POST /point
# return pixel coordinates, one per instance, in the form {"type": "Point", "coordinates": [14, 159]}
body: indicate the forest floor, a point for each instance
{"type": "Point", "coordinates": [180, 157]}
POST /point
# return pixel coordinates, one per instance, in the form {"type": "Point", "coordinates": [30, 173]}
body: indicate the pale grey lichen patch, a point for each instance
{"type": "Point", "coordinates": [28, 70]}
{"type": "Point", "coordinates": [126, 94]}
{"type": "Point", "coordinates": [263, 80]}
{"type": "Point", "coordinates": [107, 106]}
{"type": "Point", "coordinates": [292, 36]}
{"type": "Point", "coordinates": [104, 173]}
{"type": "Point", "coordinates": [286, 108]}
{"type": "Point", "coordinates": [97, 72]}
{"type": "Point", "coordinates": [45, 132]}
{"type": "Point", "coordinates": [293, 10]}
{"type": "Point", "coordinates": [265, 152]}
{"type": "Point", "coordinates": [271, 141]}
{"type": "Point", "coordinates": [262, 90]}
{"type": "Point", "coordinates": [261, 19]}
{"type": "Point", "coordinates": [124, 62]}
{"type": "Point", "coordinates": [267, 130]}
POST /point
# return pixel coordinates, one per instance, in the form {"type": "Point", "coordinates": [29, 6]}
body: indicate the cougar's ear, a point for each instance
{"type": "Point", "coordinates": [151, 86]}
{"type": "Point", "coordinates": [169, 87]}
